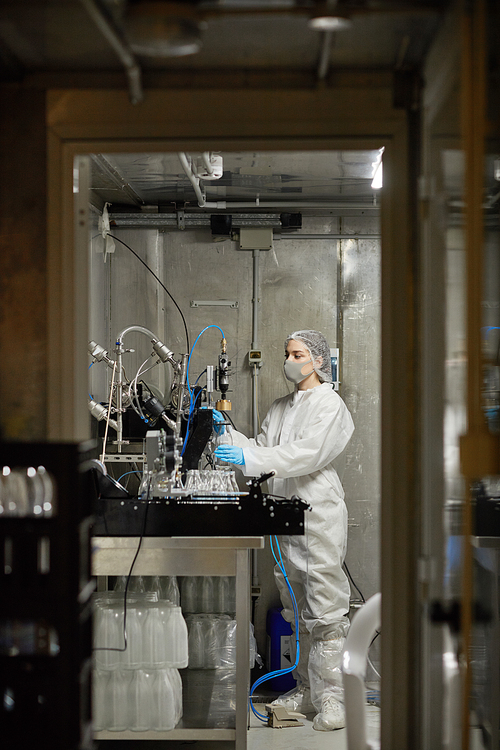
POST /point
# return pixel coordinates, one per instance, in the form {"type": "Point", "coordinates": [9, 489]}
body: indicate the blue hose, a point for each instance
{"type": "Point", "coordinates": [279, 672]}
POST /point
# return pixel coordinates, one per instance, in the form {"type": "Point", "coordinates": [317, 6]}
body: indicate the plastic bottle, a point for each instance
{"type": "Point", "coordinates": [207, 594]}
{"type": "Point", "coordinates": [189, 594]}
{"type": "Point", "coordinates": [140, 696]}
{"type": "Point", "coordinates": [164, 713]}
{"type": "Point", "coordinates": [118, 700]}
{"type": "Point", "coordinates": [170, 590]}
{"type": "Point", "coordinates": [100, 699]}
{"type": "Point", "coordinates": [196, 644]}
{"type": "Point", "coordinates": [222, 594]}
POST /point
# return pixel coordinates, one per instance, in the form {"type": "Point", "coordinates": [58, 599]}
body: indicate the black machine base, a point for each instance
{"type": "Point", "coordinates": [200, 516]}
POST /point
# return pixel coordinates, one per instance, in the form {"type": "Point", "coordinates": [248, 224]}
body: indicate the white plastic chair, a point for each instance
{"type": "Point", "coordinates": [364, 626]}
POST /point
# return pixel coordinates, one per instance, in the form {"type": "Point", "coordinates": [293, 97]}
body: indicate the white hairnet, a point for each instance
{"type": "Point", "coordinates": [318, 349]}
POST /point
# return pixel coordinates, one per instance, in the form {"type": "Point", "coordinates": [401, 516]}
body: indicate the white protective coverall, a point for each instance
{"type": "Point", "coordinates": [301, 436]}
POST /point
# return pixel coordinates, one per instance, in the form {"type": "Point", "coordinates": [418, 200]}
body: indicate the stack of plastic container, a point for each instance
{"type": "Point", "coordinates": [208, 603]}
{"type": "Point", "coordinates": [137, 685]}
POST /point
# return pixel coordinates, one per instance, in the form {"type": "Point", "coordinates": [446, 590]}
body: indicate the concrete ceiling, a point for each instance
{"type": "Point", "coordinates": [64, 42]}
{"type": "Point", "coordinates": [62, 36]}
{"type": "Point", "coordinates": [294, 179]}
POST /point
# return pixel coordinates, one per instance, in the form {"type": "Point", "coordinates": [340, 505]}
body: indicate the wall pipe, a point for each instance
{"type": "Point", "coordinates": [120, 46]}
{"type": "Point", "coordinates": [279, 236]}
{"type": "Point", "coordinates": [255, 330]}
{"type": "Point", "coordinates": [255, 375]}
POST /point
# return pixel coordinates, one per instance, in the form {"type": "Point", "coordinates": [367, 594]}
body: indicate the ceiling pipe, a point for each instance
{"type": "Point", "coordinates": [194, 180]}
{"type": "Point", "coordinates": [324, 59]}
{"type": "Point", "coordinates": [120, 46]}
{"type": "Point", "coordinates": [207, 162]}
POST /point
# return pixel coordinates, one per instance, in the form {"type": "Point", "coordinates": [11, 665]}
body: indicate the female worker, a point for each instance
{"type": "Point", "coordinates": [301, 436]}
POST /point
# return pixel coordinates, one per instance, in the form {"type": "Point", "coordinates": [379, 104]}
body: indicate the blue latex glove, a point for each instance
{"type": "Point", "coordinates": [230, 453]}
{"type": "Point", "coordinates": [217, 417]}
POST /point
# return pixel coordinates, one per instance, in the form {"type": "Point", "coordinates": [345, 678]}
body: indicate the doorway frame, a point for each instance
{"type": "Point", "coordinates": [354, 115]}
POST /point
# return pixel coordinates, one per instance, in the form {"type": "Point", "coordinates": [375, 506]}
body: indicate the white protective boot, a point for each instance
{"type": "Point", "coordinates": [299, 698]}
{"type": "Point", "coordinates": [327, 692]}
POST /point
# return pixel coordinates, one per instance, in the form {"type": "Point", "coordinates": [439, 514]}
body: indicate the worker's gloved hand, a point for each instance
{"type": "Point", "coordinates": [218, 417]}
{"type": "Point", "coordinates": [230, 453]}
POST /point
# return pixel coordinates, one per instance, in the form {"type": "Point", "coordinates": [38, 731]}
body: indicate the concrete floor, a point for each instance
{"type": "Point", "coordinates": [262, 737]}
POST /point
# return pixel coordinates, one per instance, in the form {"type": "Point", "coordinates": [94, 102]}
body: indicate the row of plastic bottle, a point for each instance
{"type": "Point", "coordinates": [139, 700]}
{"type": "Point", "coordinates": [27, 491]}
{"type": "Point", "coordinates": [208, 594]}
{"type": "Point", "coordinates": [155, 631]}
{"type": "Point", "coordinates": [165, 587]}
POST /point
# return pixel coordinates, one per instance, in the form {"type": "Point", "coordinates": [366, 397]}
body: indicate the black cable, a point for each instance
{"type": "Point", "coordinates": [228, 417]}
{"type": "Point", "coordinates": [109, 648]}
{"type": "Point", "coordinates": [353, 583]}
{"type": "Point", "coordinates": [374, 639]}
{"type": "Point", "coordinates": [159, 282]}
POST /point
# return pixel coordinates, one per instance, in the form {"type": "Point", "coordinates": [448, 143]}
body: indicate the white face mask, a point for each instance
{"type": "Point", "coordinates": [293, 371]}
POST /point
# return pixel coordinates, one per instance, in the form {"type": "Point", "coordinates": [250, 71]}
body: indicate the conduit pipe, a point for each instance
{"type": "Point", "coordinates": [255, 376]}
{"type": "Point", "coordinates": [255, 329]}
{"type": "Point", "coordinates": [324, 60]}
{"type": "Point", "coordinates": [194, 180]}
{"type": "Point", "coordinates": [207, 162]}
{"type": "Point", "coordinates": [120, 46]}
{"type": "Point", "coordinates": [326, 236]}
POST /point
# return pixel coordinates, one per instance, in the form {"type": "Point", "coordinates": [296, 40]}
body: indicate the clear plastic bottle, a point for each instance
{"type": "Point", "coordinates": [132, 657]}
{"type": "Point", "coordinates": [155, 639]}
{"type": "Point", "coordinates": [176, 636]}
{"type": "Point", "coordinates": [154, 585]}
{"type": "Point", "coordinates": [136, 585]}
{"type": "Point", "coordinates": [120, 584]}
{"type": "Point", "coordinates": [170, 590]}
{"type": "Point", "coordinates": [211, 643]}
{"type": "Point", "coordinates": [189, 594]}
{"type": "Point", "coordinates": [222, 590]}
{"type": "Point", "coordinates": [164, 713]}
{"type": "Point", "coordinates": [100, 699]}
{"type": "Point", "coordinates": [108, 636]}
{"type": "Point", "coordinates": [118, 700]}
{"type": "Point", "coordinates": [196, 644]}
{"type": "Point", "coordinates": [207, 594]}
{"type": "Point", "coordinates": [140, 696]}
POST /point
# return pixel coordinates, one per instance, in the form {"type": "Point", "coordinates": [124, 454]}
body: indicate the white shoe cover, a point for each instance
{"type": "Point", "coordinates": [298, 699]}
{"type": "Point", "coordinates": [331, 716]}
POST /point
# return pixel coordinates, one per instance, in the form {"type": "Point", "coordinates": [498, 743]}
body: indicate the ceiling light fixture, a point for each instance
{"type": "Point", "coordinates": [327, 18]}
{"type": "Point", "coordinates": [158, 28]}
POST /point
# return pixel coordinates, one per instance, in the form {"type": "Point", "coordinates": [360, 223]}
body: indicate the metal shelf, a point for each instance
{"type": "Point", "coordinates": [189, 556]}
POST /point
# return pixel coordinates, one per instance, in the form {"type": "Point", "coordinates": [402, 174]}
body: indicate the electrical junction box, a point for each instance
{"type": "Point", "coordinates": [255, 357]}
{"type": "Point", "coordinates": [260, 238]}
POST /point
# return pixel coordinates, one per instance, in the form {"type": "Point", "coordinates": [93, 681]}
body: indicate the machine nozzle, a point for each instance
{"type": "Point", "coordinates": [100, 354]}
{"type": "Point", "coordinates": [163, 351]}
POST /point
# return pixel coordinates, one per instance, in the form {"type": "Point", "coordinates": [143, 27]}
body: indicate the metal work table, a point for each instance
{"type": "Point", "coordinates": [189, 556]}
